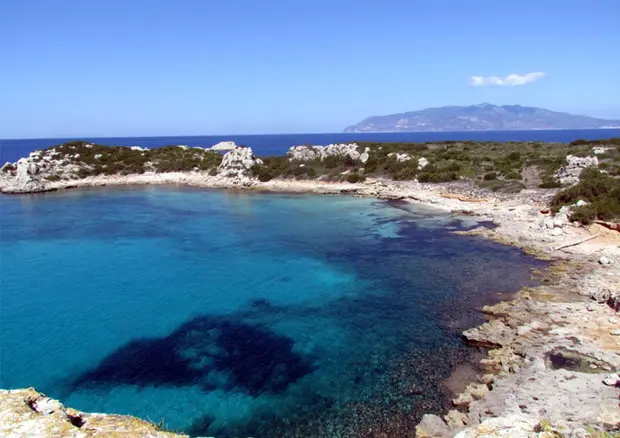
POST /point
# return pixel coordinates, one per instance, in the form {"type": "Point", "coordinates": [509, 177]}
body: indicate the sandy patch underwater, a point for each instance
{"type": "Point", "coordinates": [229, 314]}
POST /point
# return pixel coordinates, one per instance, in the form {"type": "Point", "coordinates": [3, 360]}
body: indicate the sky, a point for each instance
{"type": "Point", "coordinates": [200, 67]}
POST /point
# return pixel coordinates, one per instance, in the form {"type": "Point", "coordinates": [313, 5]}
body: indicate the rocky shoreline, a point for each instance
{"type": "Point", "coordinates": [552, 368]}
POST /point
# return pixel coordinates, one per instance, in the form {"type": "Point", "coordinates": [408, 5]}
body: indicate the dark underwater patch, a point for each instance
{"type": "Point", "coordinates": [210, 352]}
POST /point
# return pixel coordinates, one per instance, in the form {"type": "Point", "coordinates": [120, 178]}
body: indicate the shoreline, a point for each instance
{"type": "Point", "coordinates": [552, 346]}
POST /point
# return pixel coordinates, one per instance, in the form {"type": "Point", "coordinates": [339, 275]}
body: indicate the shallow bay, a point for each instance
{"type": "Point", "coordinates": [229, 314]}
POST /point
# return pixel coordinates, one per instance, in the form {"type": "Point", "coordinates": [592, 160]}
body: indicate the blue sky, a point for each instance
{"type": "Point", "coordinates": [191, 67]}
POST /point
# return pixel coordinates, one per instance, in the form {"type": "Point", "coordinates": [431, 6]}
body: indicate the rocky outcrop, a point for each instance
{"type": "Point", "coordinates": [399, 157]}
{"type": "Point", "coordinates": [224, 146]}
{"type": "Point", "coordinates": [307, 153]}
{"type": "Point", "coordinates": [26, 175]}
{"type": "Point", "coordinates": [27, 413]}
{"type": "Point", "coordinates": [570, 172]}
{"type": "Point", "coordinates": [422, 162]}
{"type": "Point", "coordinates": [237, 163]}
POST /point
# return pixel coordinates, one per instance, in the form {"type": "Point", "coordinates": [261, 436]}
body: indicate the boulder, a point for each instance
{"type": "Point", "coordinates": [612, 380]}
{"type": "Point", "coordinates": [399, 157]}
{"type": "Point", "coordinates": [422, 163]}
{"type": "Point", "coordinates": [432, 426]}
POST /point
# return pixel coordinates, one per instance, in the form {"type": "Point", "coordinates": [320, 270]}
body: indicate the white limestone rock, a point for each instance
{"type": "Point", "coordinates": [306, 153]}
{"type": "Point", "coordinates": [600, 150]}
{"type": "Point", "coordinates": [236, 164]}
{"type": "Point", "coordinates": [605, 261]}
{"type": "Point", "coordinates": [612, 379]}
{"type": "Point", "coordinates": [570, 172]}
{"type": "Point", "coordinates": [514, 426]}
{"type": "Point", "coordinates": [422, 163]}
{"type": "Point", "coordinates": [556, 232]}
{"type": "Point", "coordinates": [399, 157]}
{"type": "Point", "coordinates": [303, 153]}
{"type": "Point", "coordinates": [26, 179]}
{"type": "Point", "coordinates": [224, 146]}
{"type": "Point", "coordinates": [581, 203]}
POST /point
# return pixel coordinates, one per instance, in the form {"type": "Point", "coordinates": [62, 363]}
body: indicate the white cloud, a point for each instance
{"type": "Point", "coordinates": [511, 80]}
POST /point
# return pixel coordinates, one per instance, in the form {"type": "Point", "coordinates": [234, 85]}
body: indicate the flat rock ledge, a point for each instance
{"type": "Point", "coordinates": [28, 413]}
{"type": "Point", "coordinates": [552, 368]}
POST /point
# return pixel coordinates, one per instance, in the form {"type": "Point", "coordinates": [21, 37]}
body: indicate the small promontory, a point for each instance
{"type": "Point", "coordinates": [28, 413]}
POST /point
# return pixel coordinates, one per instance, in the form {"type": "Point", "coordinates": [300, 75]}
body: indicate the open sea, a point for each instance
{"type": "Point", "coordinates": [229, 314]}
{"type": "Point", "coordinates": [266, 145]}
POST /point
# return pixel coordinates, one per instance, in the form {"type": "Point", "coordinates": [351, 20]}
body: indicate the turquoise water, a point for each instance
{"type": "Point", "coordinates": [228, 314]}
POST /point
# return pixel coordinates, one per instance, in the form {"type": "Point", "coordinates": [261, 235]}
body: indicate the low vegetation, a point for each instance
{"type": "Point", "coordinates": [503, 167]}
{"type": "Point", "coordinates": [95, 159]}
{"type": "Point", "coordinates": [506, 167]}
{"type": "Point", "coordinates": [601, 192]}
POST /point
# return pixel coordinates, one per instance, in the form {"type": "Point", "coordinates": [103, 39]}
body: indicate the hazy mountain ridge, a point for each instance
{"type": "Point", "coordinates": [483, 117]}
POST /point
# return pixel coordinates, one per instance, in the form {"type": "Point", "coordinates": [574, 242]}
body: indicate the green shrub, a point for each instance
{"type": "Point", "coordinates": [355, 178]}
{"type": "Point", "coordinates": [437, 176]}
{"type": "Point", "coordinates": [601, 191]}
{"type": "Point", "coordinates": [53, 178]}
{"type": "Point", "coordinates": [550, 184]}
{"type": "Point", "coordinates": [513, 175]}
{"type": "Point", "coordinates": [584, 214]}
{"type": "Point", "coordinates": [490, 176]}
{"type": "Point", "coordinates": [83, 172]}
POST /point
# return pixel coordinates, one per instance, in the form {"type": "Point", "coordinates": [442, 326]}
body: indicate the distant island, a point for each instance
{"type": "Point", "coordinates": [483, 117]}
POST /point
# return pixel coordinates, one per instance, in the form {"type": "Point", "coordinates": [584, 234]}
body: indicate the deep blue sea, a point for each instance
{"type": "Point", "coordinates": [228, 314]}
{"type": "Point", "coordinates": [266, 145]}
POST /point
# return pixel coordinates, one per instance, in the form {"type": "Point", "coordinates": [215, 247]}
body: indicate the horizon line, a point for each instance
{"type": "Point", "coordinates": [86, 137]}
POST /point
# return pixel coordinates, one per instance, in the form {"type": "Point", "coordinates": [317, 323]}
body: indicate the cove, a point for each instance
{"type": "Point", "coordinates": [227, 314]}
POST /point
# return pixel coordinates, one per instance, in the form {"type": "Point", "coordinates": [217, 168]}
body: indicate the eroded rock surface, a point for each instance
{"type": "Point", "coordinates": [27, 413]}
{"type": "Point", "coordinates": [237, 163]}
{"type": "Point", "coordinates": [307, 153]}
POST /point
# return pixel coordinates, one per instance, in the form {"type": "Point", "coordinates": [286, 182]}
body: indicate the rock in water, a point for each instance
{"type": "Point", "coordinates": [237, 163]}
